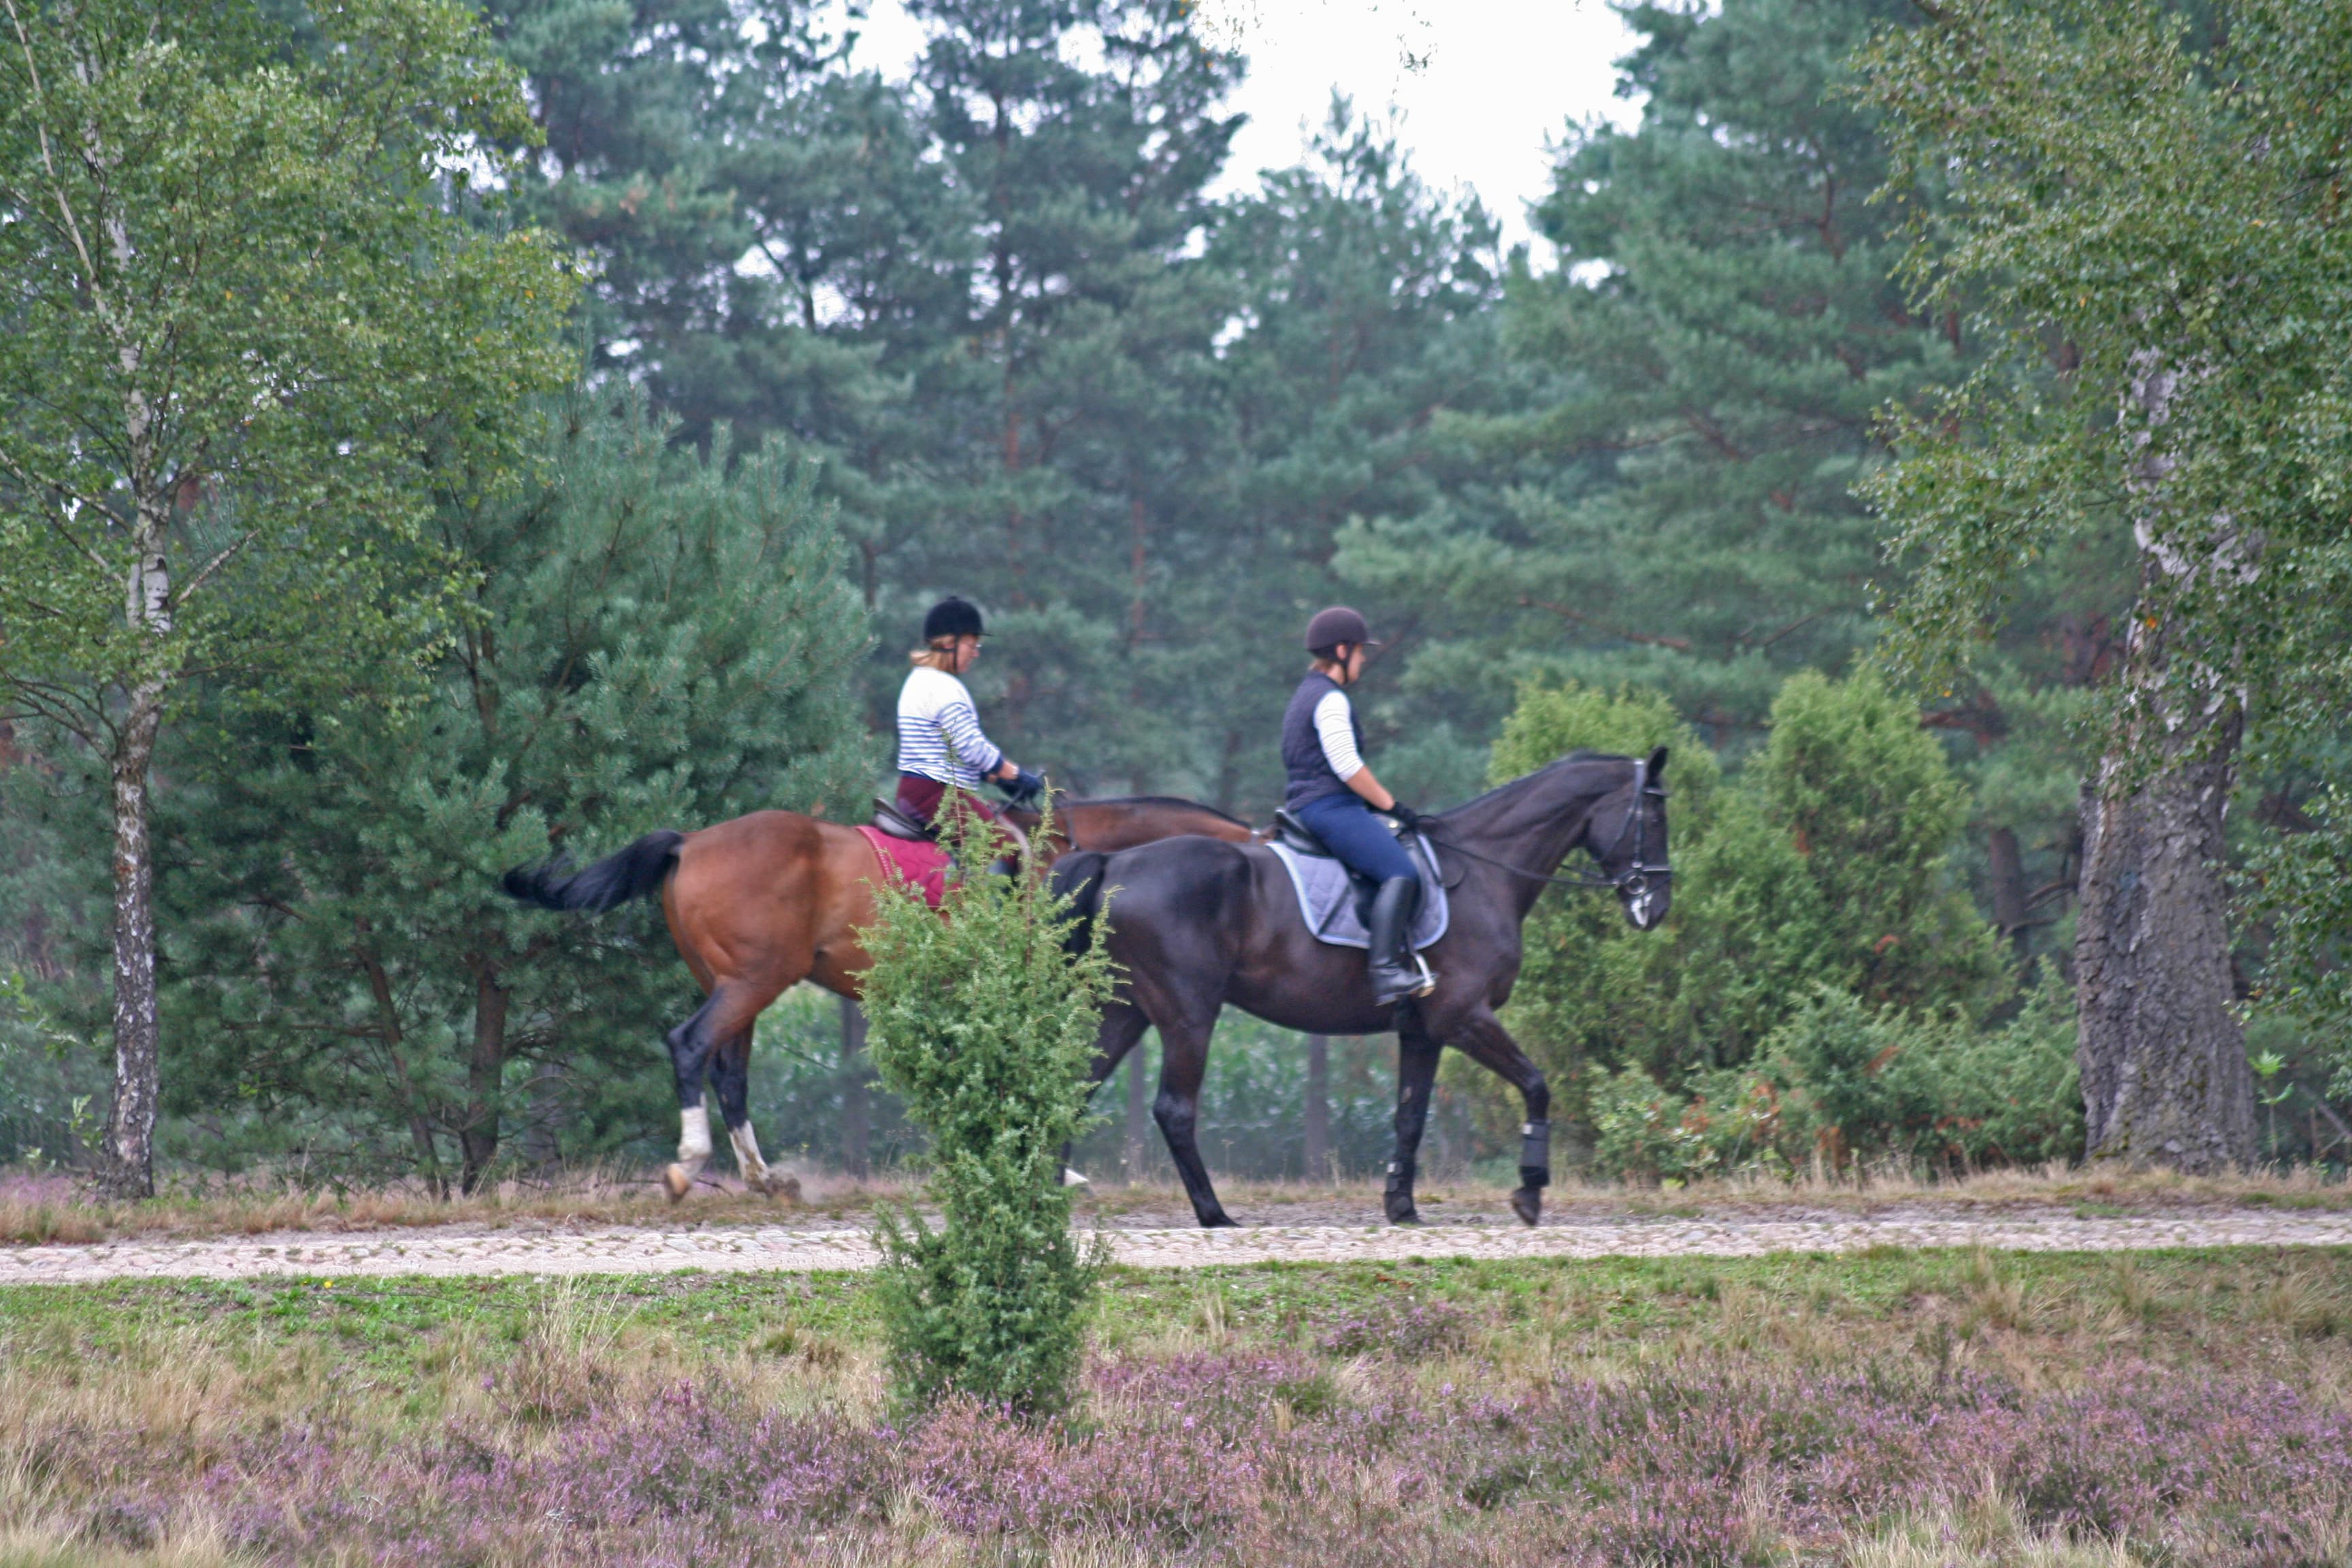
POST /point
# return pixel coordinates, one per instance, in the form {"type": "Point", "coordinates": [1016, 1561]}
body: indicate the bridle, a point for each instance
{"type": "Point", "coordinates": [1635, 879]}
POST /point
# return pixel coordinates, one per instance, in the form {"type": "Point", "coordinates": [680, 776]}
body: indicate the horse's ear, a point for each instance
{"type": "Point", "coordinates": [1658, 764]}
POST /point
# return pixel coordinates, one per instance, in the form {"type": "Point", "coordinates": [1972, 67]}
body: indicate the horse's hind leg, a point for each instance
{"type": "Point", "coordinates": [728, 1011]}
{"type": "Point", "coordinates": [1417, 1056]}
{"type": "Point", "coordinates": [731, 1074]}
{"type": "Point", "coordinates": [1183, 1063]}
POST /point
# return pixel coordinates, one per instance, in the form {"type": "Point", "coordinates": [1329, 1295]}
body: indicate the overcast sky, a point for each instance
{"type": "Point", "coordinates": [1480, 84]}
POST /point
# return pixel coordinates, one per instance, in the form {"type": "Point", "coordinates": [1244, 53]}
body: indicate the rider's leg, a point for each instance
{"type": "Point", "coordinates": [1364, 844]}
{"type": "Point", "coordinates": [1390, 931]}
{"type": "Point", "coordinates": [1416, 1077]}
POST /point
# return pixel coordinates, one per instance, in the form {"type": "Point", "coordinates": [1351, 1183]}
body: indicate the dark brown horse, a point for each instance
{"type": "Point", "coordinates": [760, 903]}
{"type": "Point", "coordinates": [1198, 926]}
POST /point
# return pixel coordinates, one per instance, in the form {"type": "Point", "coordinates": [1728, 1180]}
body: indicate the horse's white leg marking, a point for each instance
{"type": "Point", "coordinates": [747, 1156]}
{"type": "Point", "coordinates": [694, 1136]}
{"type": "Point", "coordinates": [693, 1148]}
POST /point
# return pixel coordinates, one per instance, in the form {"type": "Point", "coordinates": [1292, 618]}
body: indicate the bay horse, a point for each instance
{"type": "Point", "coordinates": [761, 902]}
{"type": "Point", "coordinates": [1197, 924]}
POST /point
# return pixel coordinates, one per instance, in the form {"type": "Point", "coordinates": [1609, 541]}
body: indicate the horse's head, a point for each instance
{"type": "Point", "coordinates": [1626, 833]}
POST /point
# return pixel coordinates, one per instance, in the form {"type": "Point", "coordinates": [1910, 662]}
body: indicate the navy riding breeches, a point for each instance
{"type": "Point", "coordinates": [1362, 841]}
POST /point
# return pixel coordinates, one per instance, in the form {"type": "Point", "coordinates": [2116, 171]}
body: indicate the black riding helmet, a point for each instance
{"type": "Point", "coordinates": [953, 617]}
{"type": "Point", "coordinates": [1335, 626]}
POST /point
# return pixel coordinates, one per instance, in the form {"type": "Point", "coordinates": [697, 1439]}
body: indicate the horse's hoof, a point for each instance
{"type": "Point", "coordinates": [788, 1188]}
{"type": "Point", "coordinates": [1220, 1220]}
{"type": "Point", "coordinates": [1528, 1204]}
{"type": "Point", "coordinates": [1404, 1212]}
{"type": "Point", "coordinates": [1072, 1178]}
{"type": "Point", "coordinates": [677, 1183]}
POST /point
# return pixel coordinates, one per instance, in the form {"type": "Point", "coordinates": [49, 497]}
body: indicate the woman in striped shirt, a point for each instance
{"type": "Point", "coordinates": [940, 738]}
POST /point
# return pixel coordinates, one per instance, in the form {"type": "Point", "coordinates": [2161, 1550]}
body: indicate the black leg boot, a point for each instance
{"type": "Point", "coordinates": [1389, 961]}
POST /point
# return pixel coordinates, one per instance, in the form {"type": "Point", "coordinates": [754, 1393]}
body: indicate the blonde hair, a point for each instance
{"type": "Point", "coordinates": [939, 656]}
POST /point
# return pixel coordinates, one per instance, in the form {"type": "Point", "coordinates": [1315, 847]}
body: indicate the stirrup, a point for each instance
{"type": "Point", "coordinates": [1418, 981]}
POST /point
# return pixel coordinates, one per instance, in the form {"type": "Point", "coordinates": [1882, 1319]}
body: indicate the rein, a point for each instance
{"type": "Point", "coordinates": [1635, 879]}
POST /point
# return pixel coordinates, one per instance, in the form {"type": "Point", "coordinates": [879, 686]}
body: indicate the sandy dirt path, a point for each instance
{"type": "Point", "coordinates": [449, 1251]}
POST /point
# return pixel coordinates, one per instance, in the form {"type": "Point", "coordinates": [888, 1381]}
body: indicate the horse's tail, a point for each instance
{"type": "Point", "coordinates": [1078, 876]}
{"type": "Point", "coordinates": [611, 882]}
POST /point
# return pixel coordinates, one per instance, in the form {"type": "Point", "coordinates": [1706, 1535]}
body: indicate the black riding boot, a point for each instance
{"type": "Point", "coordinates": [1393, 974]}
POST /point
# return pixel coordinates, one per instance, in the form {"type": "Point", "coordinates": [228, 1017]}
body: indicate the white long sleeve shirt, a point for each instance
{"type": "Point", "coordinates": [938, 731]}
{"type": "Point", "coordinates": [1335, 726]}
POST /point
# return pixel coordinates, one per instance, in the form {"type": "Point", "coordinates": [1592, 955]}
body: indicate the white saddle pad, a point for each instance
{"type": "Point", "coordinates": [1326, 898]}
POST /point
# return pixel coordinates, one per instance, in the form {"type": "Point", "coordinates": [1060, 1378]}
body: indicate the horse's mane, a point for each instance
{"type": "Point", "coordinates": [1175, 800]}
{"type": "Point", "coordinates": [1581, 754]}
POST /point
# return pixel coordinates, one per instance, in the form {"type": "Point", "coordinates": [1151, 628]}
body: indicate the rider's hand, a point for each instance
{"type": "Point", "coordinates": [1406, 817]}
{"type": "Point", "coordinates": [1023, 785]}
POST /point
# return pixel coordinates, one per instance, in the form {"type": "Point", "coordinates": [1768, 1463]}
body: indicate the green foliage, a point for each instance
{"type": "Point", "coordinates": [984, 1026]}
{"type": "Point", "coordinates": [1591, 988]}
{"type": "Point", "coordinates": [2301, 883]}
{"type": "Point", "coordinates": [655, 638]}
{"type": "Point", "coordinates": [1842, 1082]}
{"type": "Point", "coordinates": [1823, 864]}
{"type": "Point", "coordinates": [255, 321]}
{"type": "Point", "coordinates": [241, 319]}
{"type": "Point", "coordinates": [1703, 368]}
{"type": "Point", "coordinates": [2109, 188]}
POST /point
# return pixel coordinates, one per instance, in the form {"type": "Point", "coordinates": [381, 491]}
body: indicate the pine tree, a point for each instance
{"type": "Point", "coordinates": [1723, 330]}
{"type": "Point", "coordinates": [658, 640]}
{"type": "Point", "coordinates": [1366, 302]}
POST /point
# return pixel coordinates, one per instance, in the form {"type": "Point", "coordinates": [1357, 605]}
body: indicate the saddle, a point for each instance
{"type": "Point", "coordinates": [1299, 839]}
{"type": "Point", "coordinates": [890, 819]}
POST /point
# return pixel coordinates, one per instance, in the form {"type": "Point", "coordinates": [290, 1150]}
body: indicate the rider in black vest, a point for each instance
{"type": "Point", "coordinates": [1335, 795]}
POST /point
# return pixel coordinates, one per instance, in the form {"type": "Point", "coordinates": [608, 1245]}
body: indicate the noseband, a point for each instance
{"type": "Point", "coordinates": [1635, 879]}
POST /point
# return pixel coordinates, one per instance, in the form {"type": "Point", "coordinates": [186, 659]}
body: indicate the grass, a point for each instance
{"type": "Point", "coordinates": [43, 1209]}
{"type": "Point", "coordinates": [1448, 1410]}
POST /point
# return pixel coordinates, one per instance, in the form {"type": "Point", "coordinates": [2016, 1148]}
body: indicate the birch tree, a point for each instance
{"type": "Point", "coordinates": [2158, 236]}
{"type": "Point", "coordinates": [243, 323]}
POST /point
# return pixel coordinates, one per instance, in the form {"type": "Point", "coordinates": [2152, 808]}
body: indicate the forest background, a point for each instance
{"type": "Point", "coordinates": [847, 344]}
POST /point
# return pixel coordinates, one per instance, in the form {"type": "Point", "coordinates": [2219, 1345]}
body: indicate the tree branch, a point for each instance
{"type": "Point", "coordinates": [1680, 645]}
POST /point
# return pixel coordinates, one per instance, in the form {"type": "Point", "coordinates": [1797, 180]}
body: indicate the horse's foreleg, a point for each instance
{"type": "Point", "coordinates": [1487, 1043]}
{"type": "Point", "coordinates": [1416, 1076]}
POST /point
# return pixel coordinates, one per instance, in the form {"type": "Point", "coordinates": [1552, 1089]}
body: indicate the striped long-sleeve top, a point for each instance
{"type": "Point", "coordinates": [938, 731]}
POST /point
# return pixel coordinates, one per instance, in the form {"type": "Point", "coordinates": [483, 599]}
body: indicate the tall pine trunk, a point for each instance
{"type": "Point", "coordinates": [485, 1071]}
{"type": "Point", "coordinates": [1137, 1153]}
{"type": "Point", "coordinates": [857, 1117]}
{"type": "Point", "coordinates": [1319, 1108]}
{"type": "Point", "coordinates": [2005, 861]}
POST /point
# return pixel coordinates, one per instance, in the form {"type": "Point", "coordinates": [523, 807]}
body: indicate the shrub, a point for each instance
{"type": "Point", "coordinates": [1822, 864]}
{"type": "Point", "coordinates": [1843, 1081]}
{"type": "Point", "coordinates": [984, 1026]}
